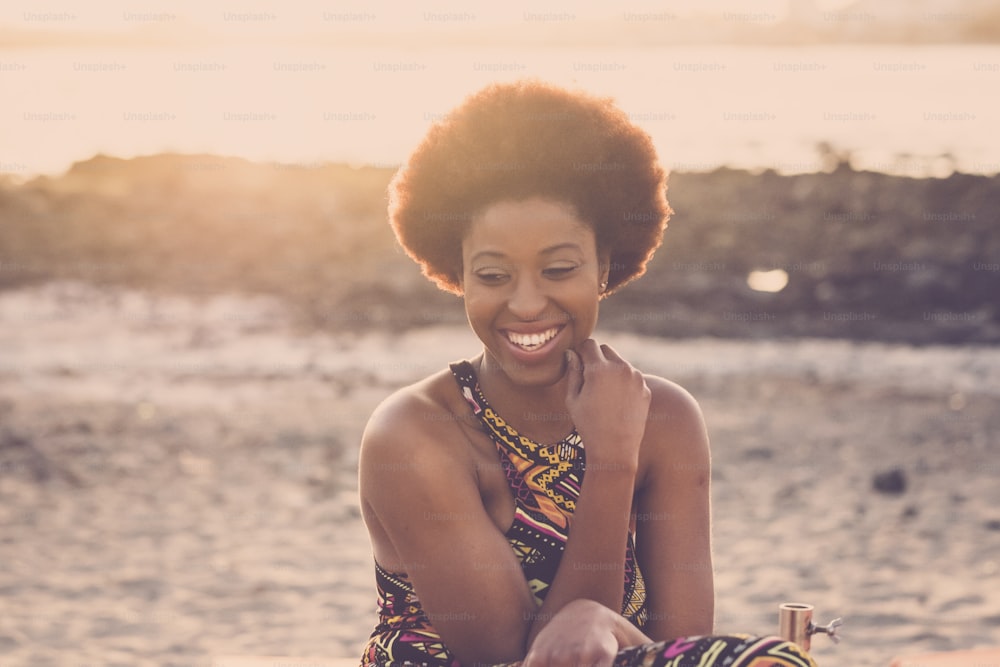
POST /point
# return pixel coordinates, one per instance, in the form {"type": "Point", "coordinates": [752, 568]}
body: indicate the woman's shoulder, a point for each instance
{"type": "Point", "coordinates": [670, 401]}
{"type": "Point", "coordinates": [675, 424]}
{"type": "Point", "coordinates": [422, 411]}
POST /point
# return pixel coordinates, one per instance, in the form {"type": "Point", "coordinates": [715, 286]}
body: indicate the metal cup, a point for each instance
{"type": "Point", "coordinates": [795, 623]}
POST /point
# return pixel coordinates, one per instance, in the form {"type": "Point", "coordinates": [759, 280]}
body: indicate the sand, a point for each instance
{"type": "Point", "coordinates": [178, 480]}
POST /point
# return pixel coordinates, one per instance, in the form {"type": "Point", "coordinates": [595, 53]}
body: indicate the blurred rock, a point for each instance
{"type": "Point", "coordinates": [759, 454]}
{"type": "Point", "coordinates": [868, 255]}
{"type": "Point", "coordinates": [7, 643]}
{"type": "Point", "coordinates": [890, 482]}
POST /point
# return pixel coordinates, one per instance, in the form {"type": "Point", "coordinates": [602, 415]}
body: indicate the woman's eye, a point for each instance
{"type": "Point", "coordinates": [491, 277]}
{"type": "Point", "coordinates": [559, 271]}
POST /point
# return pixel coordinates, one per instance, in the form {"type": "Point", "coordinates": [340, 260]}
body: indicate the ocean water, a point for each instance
{"type": "Point", "coordinates": [919, 110]}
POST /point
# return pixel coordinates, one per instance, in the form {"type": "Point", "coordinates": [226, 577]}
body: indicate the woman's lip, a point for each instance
{"type": "Point", "coordinates": [533, 330]}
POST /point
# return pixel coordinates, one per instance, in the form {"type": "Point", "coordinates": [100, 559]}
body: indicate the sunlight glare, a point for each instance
{"type": "Point", "coordinates": [768, 281]}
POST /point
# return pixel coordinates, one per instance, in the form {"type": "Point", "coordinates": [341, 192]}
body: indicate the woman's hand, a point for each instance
{"type": "Point", "coordinates": [608, 401]}
{"type": "Point", "coordinates": [583, 633]}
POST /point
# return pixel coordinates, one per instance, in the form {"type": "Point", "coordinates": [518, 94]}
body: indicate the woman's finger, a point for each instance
{"type": "Point", "coordinates": [574, 373]}
{"type": "Point", "coordinates": [610, 354]}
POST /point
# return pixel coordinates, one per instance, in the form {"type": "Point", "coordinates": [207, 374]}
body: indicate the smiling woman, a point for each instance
{"type": "Point", "coordinates": [544, 502]}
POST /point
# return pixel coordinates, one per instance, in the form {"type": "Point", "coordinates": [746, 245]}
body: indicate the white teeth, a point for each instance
{"type": "Point", "coordinates": [532, 341]}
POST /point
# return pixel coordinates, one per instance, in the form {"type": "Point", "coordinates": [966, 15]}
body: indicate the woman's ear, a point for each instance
{"type": "Point", "coordinates": [604, 268]}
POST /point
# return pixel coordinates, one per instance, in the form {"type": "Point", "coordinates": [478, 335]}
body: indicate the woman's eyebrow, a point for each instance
{"type": "Point", "coordinates": [560, 246]}
{"type": "Point", "coordinates": [487, 253]}
{"type": "Point", "coordinates": [568, 245]}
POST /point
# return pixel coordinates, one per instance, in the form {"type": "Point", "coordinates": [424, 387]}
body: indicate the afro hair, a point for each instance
{"type": "Point", "coordinates": [531, 139]}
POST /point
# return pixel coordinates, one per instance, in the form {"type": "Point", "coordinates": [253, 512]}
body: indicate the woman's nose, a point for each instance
{"type": "Point", "coordinates": [527, 301]}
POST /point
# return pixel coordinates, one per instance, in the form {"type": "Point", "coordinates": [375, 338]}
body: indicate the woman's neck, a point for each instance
{"type": "Point", "coordinates": [535, 411]}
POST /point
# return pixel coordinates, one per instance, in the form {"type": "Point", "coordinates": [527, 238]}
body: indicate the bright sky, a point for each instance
{"type": "Point", "coordinates": [122, 15]}
{"type": "Point", "coordinates": [305, 81]}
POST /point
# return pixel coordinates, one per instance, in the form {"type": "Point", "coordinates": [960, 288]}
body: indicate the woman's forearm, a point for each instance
{"type": "Point", "coordinates": [593, 563]}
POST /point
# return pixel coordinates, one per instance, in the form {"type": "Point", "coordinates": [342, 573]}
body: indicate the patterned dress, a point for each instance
{"type": "Point", "coordinates": [545, 482]}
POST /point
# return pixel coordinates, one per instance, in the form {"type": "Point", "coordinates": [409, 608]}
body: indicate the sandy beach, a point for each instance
{"type": "Point", "coordinates": [178, 480]}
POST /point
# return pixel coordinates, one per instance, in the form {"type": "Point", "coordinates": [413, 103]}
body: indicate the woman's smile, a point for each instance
{"type": "Point", "coordinates": [532, 341]}
{"type": "Point", "coordinates": [533, 346]}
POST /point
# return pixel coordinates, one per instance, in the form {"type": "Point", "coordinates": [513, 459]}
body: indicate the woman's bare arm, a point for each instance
{"type": "Point", "coordinates": [418, 484]}
{"type": "Point", "coordinates": [673, 534]}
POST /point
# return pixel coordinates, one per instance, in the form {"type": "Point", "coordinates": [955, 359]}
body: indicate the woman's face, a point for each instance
{"type": "Point", "coordinates": [531, 278]}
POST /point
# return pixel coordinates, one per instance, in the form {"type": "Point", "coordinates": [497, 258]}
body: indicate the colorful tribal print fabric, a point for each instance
{"type": "Point", "coordinates": [545, 482]}
{"type": "Point", "coordinates": [404, 634]}
{"type": "Point", "coordinates": [716, 651]}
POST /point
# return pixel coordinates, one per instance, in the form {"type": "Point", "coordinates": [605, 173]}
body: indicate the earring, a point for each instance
{"type": "Point", "coordinates": [604, 285]}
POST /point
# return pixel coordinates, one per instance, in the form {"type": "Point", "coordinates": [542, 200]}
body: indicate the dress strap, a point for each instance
{"type": "Point", "coordinates": [469, 385]}
{"type": "Point", "coordinates": [505, 435]}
